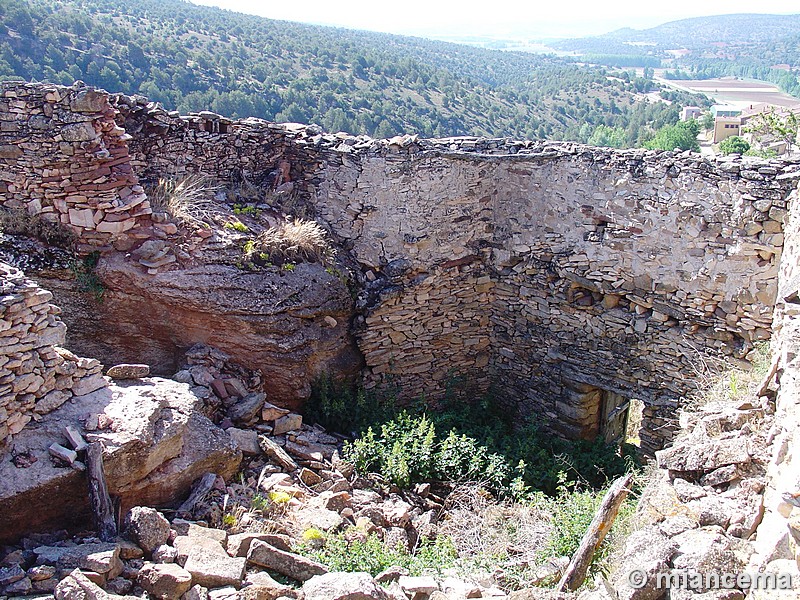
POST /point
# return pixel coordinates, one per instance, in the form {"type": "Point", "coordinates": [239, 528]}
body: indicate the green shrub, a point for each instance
{"type": "Point", "coordinates": [734, 145]}
{"type": "Point", "coordinates": [461, 438]}
{"type": "Point", "coordinates": [354, 552]}
{"type": "Point", "coordinates": [408, 451]}
{"type": "Point", "coordinates": [346, 408]}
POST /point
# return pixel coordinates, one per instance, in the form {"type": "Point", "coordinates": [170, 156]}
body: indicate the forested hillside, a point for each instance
{"type": "Point", "coordinates": [195, 58]}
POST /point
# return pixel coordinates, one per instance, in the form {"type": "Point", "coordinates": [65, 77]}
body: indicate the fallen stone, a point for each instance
{"type": "Point", "coordinates": [260, 586]}
{"type": "Point", "coordinates": [648, 551]}
{"type": "Point", "coordinates": [343, 586]}
{"type": "Point", "coordinates": [193, 530]}
{"type": "Point", "coordinates": [18, 588]}
{"type": "Point", "coordinates": [166, 581]}
{"type": "Point", "coordinates": [147, 528]}
{"type": "Point", "coordinates": [128, 371]}
{"type": "Point", "coordinates": [247, 411]}
{"type": "Point", "coordinates": [239, 543]}
{"type": "Point", "coordinates": [277, 454]}
{"type": "Point", "coordinates": [211, 569]}
{"type": "Point", "coordinates": [77, 586]}
{"type": "Point", "coordinates": [708, 550]}
{"type": "Point", "coordinates": [310, 478]}
{"type": "Point", "coordinates": [287, 423]}
{"type": "Point", "coordinates": [270, 412]}
{"type": "Point", "coordinates": [39, 573]}
{"type": "Point", "coordinates": [704, 457]}
{"type": "Point", "coordinates": [184, 545]}
{"type": "Point", "coordinates": [287, 563]}
{"type": "Point", "coordinates": [390, 574]}
{"type": "Point", "coordinates": [9, 575]}
{"type": "Point", "coordinates": [396, 512]}
{"type": "Point", "coordinates": [246, 440]}
{"type": "Point", "coordinates": [318, 518]}
{"type": "Point", "coordinates": [418, 585]}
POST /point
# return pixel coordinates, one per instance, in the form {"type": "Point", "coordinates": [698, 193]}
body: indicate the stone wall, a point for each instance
{"type": "Point", "coordinates": [36, 374]}
{"type": "Point", "coordinates": [565, 275]}
{"type": "Point", "coordinates": [621, 272]}
{"type": "Point", "coordinates": [62, 156]}
{"type": "Point", "coordinates": [778, 535]}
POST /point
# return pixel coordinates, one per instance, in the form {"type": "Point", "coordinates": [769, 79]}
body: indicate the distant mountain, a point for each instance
{"type": "Point", "coordinates": [756, 46]}
{"type": "Point", "coordinates": [694, 34]}
{"type": "Point", "coordinates": [195, 58]}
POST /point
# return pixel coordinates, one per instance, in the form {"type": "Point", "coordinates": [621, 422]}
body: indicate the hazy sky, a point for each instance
{"type": "Point", "coordinates": [552, 18]}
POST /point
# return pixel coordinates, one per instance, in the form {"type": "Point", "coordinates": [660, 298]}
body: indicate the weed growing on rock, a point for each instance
{"type": "Point", "coordinates": [237, 226]}
{"type": "Point", "coordinates": [86, 276]}
{"type": "Point", "coordinates": [188, 200]}
{"type": "Point", "coordinates": [720, 383]}
{"type": "Point", "coordinates": [20, 222]}
{"type": "Point", "coordinates": [295, 240]}
{"type": "Point", "coordinates": [354, 551]}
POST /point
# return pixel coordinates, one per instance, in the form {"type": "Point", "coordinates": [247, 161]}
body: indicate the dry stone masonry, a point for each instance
{"type": "Point", "coordinates": [573, 279]}
{"type": "Point", "coordinates": [62, 156]}
{"type": "Point", "coordinates": [36, 374]}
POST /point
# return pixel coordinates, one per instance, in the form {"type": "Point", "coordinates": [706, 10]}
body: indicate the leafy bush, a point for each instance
{"type": "Point", "coordinates": [461, 438]}
{"type": "Point", "coordinates": [734, 145]}
{"type": "Point", "coordinates": [408, 450]}
{"type": "Point", "coordinates": [353, 551]}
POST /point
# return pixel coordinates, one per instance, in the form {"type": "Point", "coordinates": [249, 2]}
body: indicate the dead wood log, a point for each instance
{"type": "Point", "coordinates": [601, 524]}
{"type": "Point", "coordinates": [102, 507]}
{"type": "Point", "coordinates": [199, 490]}
{"type": "Point", "coordinates": [763, 388]}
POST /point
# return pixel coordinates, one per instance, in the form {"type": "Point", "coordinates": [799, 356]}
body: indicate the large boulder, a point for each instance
{"type": "Point", "coordinates": [164, 581]}
{"type": "Point", "coordinates": [343, 586]}
{"type": "Point", "coordinates": [647, 553]}
{"type": "Point", "coordinates": [156, 444]}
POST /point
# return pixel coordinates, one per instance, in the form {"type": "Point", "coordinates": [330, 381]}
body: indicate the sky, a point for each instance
{"type": "Point", "coordinates": [517, 19]}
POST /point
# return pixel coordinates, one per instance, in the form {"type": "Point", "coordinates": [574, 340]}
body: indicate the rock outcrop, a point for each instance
{"type": "Point", "coordinates": [156, 444]}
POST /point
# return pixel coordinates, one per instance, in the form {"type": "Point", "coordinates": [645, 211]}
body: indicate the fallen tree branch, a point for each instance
{"type": "Point", "coordinates": [99, 498]}
{"type": "Point", "coordinates": [773, 369]}
{"type": "Point", "coordinates": [601, 524]}
{"type": "Point", "coordinates": [199, 490]}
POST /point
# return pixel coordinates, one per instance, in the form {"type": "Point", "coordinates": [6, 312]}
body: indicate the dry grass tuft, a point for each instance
{"type": "Point", "coordinates": [506, 533]}
{"type": "Point", "coordinates": [188, 200]}
{"type": "Point", "coordinates": [295, 240]}
{"type": "Point", "coordinates": [720, 383]}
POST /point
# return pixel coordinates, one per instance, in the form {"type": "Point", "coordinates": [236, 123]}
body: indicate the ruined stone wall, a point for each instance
{"type": "Point", "coordinates": [777, 534]}
{"type": "Point", "coordinates": [62, 156]}
{"type": "Point", "coordinates": [558, 272]}
{"type": "Point", "coordinates": [623, 272]}
{"type": "Point", "coordinates": [36, 374]}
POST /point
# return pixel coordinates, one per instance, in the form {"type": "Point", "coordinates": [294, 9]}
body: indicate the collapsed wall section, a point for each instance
{"type": "Point", "coordinates": [36, 374]}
